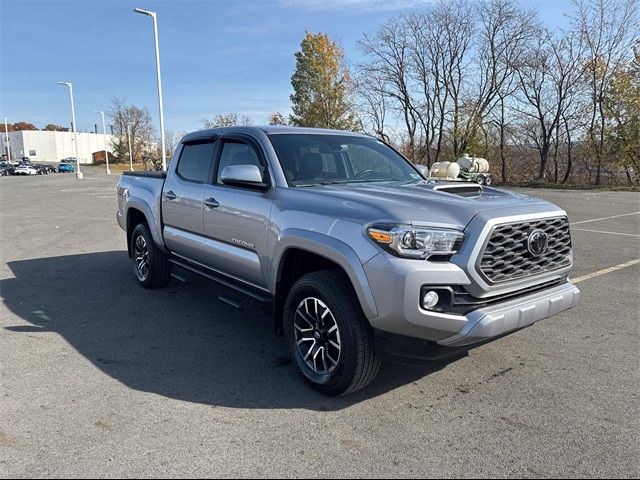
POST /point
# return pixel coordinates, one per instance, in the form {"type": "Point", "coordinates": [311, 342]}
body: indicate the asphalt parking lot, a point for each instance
{"type": "Point", "coordinates": [101, 378]}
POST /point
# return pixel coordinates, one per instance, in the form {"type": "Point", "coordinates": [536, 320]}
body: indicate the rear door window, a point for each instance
{"type": "Point", "coordinates": [195, 161]}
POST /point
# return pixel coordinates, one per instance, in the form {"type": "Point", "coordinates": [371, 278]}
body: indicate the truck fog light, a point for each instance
{"type": "Point", "coordinates": [430, 300]}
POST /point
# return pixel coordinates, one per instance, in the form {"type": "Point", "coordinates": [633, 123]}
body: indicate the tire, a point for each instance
{"type": "Point", "coordinates": [356, 365]}
{"type": "Point", "coordinates": [488, 180]}
{"type": "Point", "coordinates": [480, 180]}
{"type": "Point", "coordinates": [151, 266]}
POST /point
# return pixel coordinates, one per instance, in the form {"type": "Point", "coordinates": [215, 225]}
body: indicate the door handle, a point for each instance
{"type": "Point", "coordinates": [211, 203]}
{"type": "Point", "coordinates": [170, 195]}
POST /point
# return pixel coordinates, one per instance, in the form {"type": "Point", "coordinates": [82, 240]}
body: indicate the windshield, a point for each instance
{"type": "Point", "coordinates": [319, 159]}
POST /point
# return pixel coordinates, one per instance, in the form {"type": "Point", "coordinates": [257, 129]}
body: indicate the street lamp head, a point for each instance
{"type": "Point", "coordinates": [144, 12]}
{"type": "Point", "coordinates": [64, 83]}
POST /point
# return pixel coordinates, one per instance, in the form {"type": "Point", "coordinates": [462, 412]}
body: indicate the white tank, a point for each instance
{"type": "Point", "coordinates": [473, 164]}
{"type": "Point", "coordinates": [445, 170]}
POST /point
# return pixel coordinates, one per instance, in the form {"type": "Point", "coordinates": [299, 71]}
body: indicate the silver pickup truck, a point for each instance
{"type": "Point", "coordinates": [361, 257]}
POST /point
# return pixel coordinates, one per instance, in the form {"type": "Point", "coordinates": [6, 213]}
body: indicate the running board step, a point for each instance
{"type": "Point", "coordinates": [234, 298]}
{"type": "Point", "coordinates": [230, 283]}
{"type": "Point", "coordinates": [180, 278]}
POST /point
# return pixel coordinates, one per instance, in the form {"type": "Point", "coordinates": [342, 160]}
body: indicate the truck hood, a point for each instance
{"type": "Point", "coordinates": [418, 203]}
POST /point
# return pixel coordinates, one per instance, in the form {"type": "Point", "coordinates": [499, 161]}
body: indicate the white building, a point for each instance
{"type": "Point", "coordinates": [50, 146]}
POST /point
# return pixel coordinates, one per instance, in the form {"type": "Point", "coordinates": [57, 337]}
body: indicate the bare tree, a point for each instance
{"type": "Point", "coordinates": [389, 61]}
{"type": "Point", "coordinates": [172, 139]}
{"type": "Point", "coordinates": [502, 38]}
{"type": "Point", "coordinates": [502, 124]}
{"type": "Point", "coordinates": [484, 77]}
{"type": "Point", "coordinates": [277, 118]}
{"type": "Point", "coordinates": [548, 77]}
{"type": "Point", "coordinates": [608, 28]}
{"type": "Point", "coordinates": [439, 42]}
{"type": "Point", "coordinates": [372, 104]}
{"type": "Point", "coordinates": [128, 117]}
{"type": "Point", "coordinates": [226, 120]}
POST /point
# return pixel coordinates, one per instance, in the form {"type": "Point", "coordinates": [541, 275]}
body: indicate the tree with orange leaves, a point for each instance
{"type": "Point", "coordinates": [322, 85]}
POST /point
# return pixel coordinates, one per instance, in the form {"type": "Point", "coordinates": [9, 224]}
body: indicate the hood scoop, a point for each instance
{"type": "Point", "coordinates": [462, 190]}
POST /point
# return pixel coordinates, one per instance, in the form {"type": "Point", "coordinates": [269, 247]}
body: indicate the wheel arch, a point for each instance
{"type": "Point", "coordinates": [300, 252]}
{"type": "Point", "coordinates": [138, 212]}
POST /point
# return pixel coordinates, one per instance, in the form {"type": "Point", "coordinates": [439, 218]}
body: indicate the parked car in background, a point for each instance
{"type": "Point", "coordinates": [70, 160]}
{"type": "Point", "coordinates": [25, 169]}
{"type": "Point", "coordinates": [65, 167]}
{"type": "Point", "coordinates": [6, 168]}
{"type": "Point", "coordinates": [41, 169]}
{"type": "Point", "coordinates": [25, 160]}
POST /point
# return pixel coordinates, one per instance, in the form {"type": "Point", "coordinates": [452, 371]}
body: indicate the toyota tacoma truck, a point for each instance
{"type": "Point", "coordinates": [360, 257]}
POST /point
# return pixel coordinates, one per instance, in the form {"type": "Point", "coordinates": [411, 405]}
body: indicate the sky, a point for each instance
{"type": "Point", "coordinates": [216, 56]}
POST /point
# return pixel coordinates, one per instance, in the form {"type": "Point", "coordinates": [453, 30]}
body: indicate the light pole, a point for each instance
{"type": "Point", "coordinates": [130, 151]}
{"type": "Point", "coordinates": [104, 132]}
{"type": "Point", "coordinates": [6, 131]}
{"type": "Point", "coordinates": [154, 17]}
{"type": "Point", "coordinates": [75, 127]}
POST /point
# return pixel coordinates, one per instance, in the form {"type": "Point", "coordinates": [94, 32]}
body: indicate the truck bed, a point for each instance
{"type": "Point", "coordinates": [141, 173]}
{"type": "Point", "coordinates": [142, 190]}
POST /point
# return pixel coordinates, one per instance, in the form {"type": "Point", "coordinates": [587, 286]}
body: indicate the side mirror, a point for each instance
{"type": "Point", "coordinates": [424, 170]}
{"type": "Point", "coordinates": [245, 176]}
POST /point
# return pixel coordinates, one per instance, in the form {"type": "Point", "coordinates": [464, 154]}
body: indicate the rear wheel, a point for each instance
{"type": "Point", "coordinates": [488, 180]}
{"type": "Point", "coordinates": [330, 341]}
{"type": "Point", "coordinates": [480, 180]}
{"type": "Point", "coordinates": [151, 266]}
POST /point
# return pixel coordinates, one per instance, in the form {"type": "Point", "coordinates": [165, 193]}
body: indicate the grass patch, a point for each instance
{"type": "Point", "coordinates": [119, 167]}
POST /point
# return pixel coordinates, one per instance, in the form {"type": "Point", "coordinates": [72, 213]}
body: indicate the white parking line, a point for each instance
{"type": "Point", "coordinates": [605, 270]}
{"type": "Point", "coordinates": [603, 231]}
{"type": "Point", "coordinates": [605, 218]}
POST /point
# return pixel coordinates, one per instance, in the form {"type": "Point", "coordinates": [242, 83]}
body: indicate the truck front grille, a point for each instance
{"type": "Point", "coordinates": [506, 257]}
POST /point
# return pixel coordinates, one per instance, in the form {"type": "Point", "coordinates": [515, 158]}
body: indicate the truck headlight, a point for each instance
{"type": "Point", "coordinates": [416, 242]}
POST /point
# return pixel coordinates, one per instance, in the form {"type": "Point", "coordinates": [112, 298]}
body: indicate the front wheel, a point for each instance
{"type": "Point", "coordinates": [151, 266]}
{"type": "Point", "coordinates": [330, 341]}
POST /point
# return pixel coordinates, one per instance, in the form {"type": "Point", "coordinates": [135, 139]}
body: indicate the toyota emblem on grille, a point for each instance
{"type": "Point", "coordinates": [537, 243]}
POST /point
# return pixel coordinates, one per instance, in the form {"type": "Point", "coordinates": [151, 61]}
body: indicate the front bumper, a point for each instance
{"type": "Point", "coordinates": [496, 320]}
{"type": "Point", "coordinates": [396, 284]}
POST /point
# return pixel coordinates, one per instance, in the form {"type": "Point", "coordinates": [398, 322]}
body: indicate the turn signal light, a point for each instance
{"type": "Point", "coordinates": [380, 235]}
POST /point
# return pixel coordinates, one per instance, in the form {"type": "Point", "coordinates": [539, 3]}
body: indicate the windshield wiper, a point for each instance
{"type": "Point", "coordinates": [333, 182]}
{"type": "Point", "coordinates": [376, 180]}
{"type": "Point", "coordinates": [344, 182]}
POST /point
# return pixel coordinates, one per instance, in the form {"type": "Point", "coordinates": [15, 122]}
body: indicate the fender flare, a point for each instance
{"type": "Point", "coordinates": [137, 203]}
{"type": "Point", "coordinates": [331, 249]}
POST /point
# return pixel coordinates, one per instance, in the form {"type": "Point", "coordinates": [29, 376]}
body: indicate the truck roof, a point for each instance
{"type": "Point", "coordinates": [268, 129]}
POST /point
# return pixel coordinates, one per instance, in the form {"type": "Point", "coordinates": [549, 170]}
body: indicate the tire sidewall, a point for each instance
{"type": "Point", "coordinates": [341, 377]}
{"type": "Point", "coordinates": [141, 230]}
